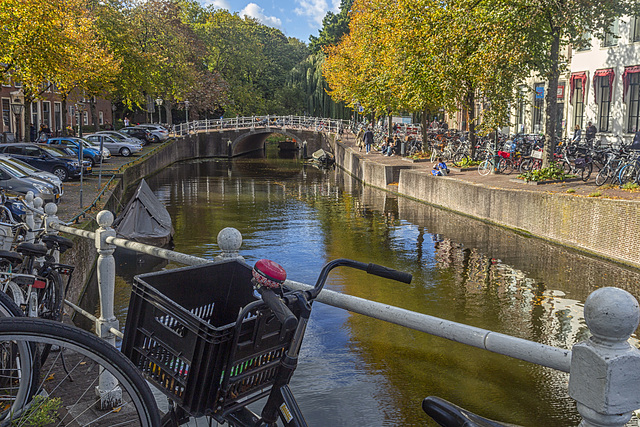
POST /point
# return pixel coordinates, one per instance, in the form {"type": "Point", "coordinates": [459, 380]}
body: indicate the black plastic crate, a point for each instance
{"type": "Point", "coordinates": [180, 333]}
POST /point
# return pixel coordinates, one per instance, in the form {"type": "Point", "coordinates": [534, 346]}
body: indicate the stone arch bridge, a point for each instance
{"type": "Point", "coordinates": [243, 135]}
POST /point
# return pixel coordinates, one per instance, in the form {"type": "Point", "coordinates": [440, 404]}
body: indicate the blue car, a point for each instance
{"type": "Point", "coordinates": [90, 154]}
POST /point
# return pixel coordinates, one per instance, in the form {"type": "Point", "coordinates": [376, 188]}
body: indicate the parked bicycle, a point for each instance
{"type": "Point", "coordinates": [225, 368]}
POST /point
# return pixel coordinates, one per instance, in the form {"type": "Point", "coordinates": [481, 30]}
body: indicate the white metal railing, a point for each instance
{"type": "Point", "coordinates": [604, 370]}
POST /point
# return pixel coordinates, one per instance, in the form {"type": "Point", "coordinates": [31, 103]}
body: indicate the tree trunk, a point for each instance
{"type": "Point", "coordinates": [471, 120]}
{"type": "Point", "coordinates": [167, 108]}
{"type": "Point", "coordinates": [424, 124]}
{"type": "Point", "coordinates": [94, 114]}
{"type": "Point", "coordinates": [27, 120]}
{"type": "Point", "coordinates": [551, 112]}
{"type": "Point", "coordinates": [390, 132]}
{"type": "Point", "coordinates": [64, 131]}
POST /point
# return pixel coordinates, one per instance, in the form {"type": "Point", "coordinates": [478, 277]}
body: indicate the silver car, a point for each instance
{"type": "Point", "coordinates": [14, 182]}
{"type": "Point", "coordinates": [159, 133]}
{"type": "Point", "coordinates": [31, 171]}
{"type": "Point", "coordinates": [114, 145]}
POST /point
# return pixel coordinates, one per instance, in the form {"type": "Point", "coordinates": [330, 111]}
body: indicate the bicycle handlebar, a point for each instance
{"type": "Point", "coordinates": [279, 308]}
{"type": "Point", "coordinates": [375, 269]}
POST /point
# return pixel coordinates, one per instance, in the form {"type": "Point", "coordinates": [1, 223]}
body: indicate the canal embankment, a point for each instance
{"type": "Point", "coordinates": [604, 227]}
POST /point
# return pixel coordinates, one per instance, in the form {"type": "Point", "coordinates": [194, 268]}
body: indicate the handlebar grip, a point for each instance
{"type": "Point", "coordinates": [389, 273]}
{"type": "Point", "coordinates": [279, 308]}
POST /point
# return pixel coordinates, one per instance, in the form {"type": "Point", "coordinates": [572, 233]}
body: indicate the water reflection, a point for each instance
{"type": "Point", "coordinates": [358, 371]}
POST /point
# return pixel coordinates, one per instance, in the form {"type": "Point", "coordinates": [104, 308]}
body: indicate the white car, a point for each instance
{"type": "Point", "coordinates": [106, 154]}
{"type": "Point", "coordinates": [157, 131]}
{"type": "Point", "coordinates": [115, 146]}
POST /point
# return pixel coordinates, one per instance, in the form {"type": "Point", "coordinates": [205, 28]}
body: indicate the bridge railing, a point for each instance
{"type": "Point", "coordinates": [315, 124]}
{"type": "Point", "coordinates": [604, 370]}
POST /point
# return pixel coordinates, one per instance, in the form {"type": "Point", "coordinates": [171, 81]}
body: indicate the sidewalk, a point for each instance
{"type": "Point", "coordinates": [577, 188]}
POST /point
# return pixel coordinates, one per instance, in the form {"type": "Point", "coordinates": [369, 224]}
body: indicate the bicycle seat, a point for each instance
{"type": "Point", "coordinates": [447, 414]}
{"type": "Point", "coordinates": [52, 240]}
{"type": "Point", "coordinates": [13, 258]}
{"type": "Point", "coordinates": [31, 249]}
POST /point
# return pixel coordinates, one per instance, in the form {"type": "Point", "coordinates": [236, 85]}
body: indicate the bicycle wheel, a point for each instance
{"type": "Point", "coordinates": [485, 167]}
{"type": "Point", "coordinates": [66, 391]}
{"type": "Point", "coordinates": [585, 173]}
{"type": "Point", "coordinates": [525, 165]}
{"type": "Point", "coordinates": [503, 165]}
{"type": "Point", "coordinates": [627, 174]}
{"type": "Point", "coordinates": [50, 297]}
{"type": "Point", "coordinates": [603, 176]}
{"type": "Point", "coordinates": [566, 167]}
{"type": "Point", "coordinates": [460, 159]}
{"type": "Point", "coordinates": [19, 367]}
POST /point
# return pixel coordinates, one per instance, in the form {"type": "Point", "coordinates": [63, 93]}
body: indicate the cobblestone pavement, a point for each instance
{"type": "Point", "coordinates": [575, 188]}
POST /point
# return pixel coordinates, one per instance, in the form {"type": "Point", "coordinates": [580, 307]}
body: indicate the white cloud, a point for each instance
{"type": "Point", "coordinates": [220, 4]}
{"type": "Point", "coordinates": [252, 10]}
{"type": "Point", "coordinates": [315, 10]}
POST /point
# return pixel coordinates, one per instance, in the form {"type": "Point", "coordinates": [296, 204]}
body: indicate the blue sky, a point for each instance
{"type": "Point", "coordinates": [295, 18]}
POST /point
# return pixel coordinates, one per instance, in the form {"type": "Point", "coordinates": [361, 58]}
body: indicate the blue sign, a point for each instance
{"type": "Point", "coordinates": [540, 92]}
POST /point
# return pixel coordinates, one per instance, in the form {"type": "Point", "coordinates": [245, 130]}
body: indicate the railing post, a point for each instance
{"type": "Point", "coordinates": [229, 242]}
{"type": "Point", "coordinates": [605, 369]}
{"type": "Point", "coordinates": [37, 205]}
{"type": "Point", "coordinates": [28, 200]}
{"type": "Point", "coordinates": [107, 390]}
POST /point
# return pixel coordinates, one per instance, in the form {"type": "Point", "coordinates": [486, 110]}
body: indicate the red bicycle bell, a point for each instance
{"type": "Point", "coordinates": [269, 273]}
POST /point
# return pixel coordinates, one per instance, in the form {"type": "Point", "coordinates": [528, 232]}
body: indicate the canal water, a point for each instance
{"type": "Point", "coordinates": [357, 371]}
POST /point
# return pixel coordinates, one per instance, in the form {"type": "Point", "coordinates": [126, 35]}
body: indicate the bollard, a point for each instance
{"type": "Point", "coordinates": [229, 242]}
{"type": "Point", "coordinates": [107, 390]}
{"type": "Point", "coordinates": [28, 200]}
{"type": "Point", "coordinates": [37, 205]}
{"type": "Point", "coordinates": [605, 369]}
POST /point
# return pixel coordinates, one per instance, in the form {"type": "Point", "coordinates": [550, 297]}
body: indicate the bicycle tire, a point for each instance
{"type": "Point", "coordinates": [585, 173]}
{"type": "Point", "coordinates": [50, 297]}
{"type": "Point", "coordinates": [485, 167]}
{"type": "Point", "coordinates": [627, 174]}
{"type": "Point", "coordinates": [89, 356]}
{"type": "Point", "coordinates": [503, 165]}
{"type": "Point", "coordinates": [18, 362]}
{"type": "Point", "coordinates": [603, 175]}
{"type": "Point", "coordinates": [525, 165]}
{"type": "Point", "coordinates": [566, 167]}
{"type": "Point", "coordinates": [460, 159]}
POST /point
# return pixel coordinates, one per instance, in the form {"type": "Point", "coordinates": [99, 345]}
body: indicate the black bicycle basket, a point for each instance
{"type": "Point", "coordinates": [180, 332]}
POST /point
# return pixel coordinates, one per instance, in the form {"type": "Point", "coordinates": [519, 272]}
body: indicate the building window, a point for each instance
{"type": "Point", "coordinates": [521, 109]}
{"type": "Point", "coordinates": [6, 114]}
{"type": "Point", "coordinates": [635, 30]}
{"type": "Point", "coordinates": [611, 36]}
{"type": "Point", "coordinates": [634, 103]}
{"type": "Point", "coordinates": [101, 117]}
{"type": "Point", "coordinates": [603, 100]}
{"type": "Point", "coordinates": [585, 42]}
{"type": "Point", "coordinates": [57, 115]}
{"type": "Point", "coordinates": [538, 107]}
{"type": "Point", "coordinates": [578, 99]}
{"type": "Point", "coordinates": [34, 114]}
{"type": "Point", "coordinates": [46, 113]}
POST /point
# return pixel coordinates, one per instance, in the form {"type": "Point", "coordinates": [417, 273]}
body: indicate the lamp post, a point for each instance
{"type": "Point", "coordinates": [159, 103]}
{"type": "Point", "coordinates": [80, 115]}
{"type": "Point", "coordinates": [17, 109]}
{"type": "Point", "coordinates": [186, 109]}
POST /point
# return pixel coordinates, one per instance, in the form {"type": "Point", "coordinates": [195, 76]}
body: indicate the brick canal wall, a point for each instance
{"type": "Point", "coordinates": [606, 228]}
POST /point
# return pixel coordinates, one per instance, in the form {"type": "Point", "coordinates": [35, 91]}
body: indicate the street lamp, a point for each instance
{"type": "Point", "coordinates": [159, 103]}
{"type": "Point", "coordinates": [17, 109]}
{"type": "Point", "coordinates": [186, 109]}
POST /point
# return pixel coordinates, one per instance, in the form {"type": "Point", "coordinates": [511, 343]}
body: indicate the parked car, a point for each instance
{"type": "Point", "coordinates": [113, 145]}
{"type": "Point", "coordinates": [31, 171]}
{"type": "Point", "coordinates": [120, 136]}
{"type": "Point", "coordinates": [158, 132]}
{"type": "Point", "coordinates": [141, 133]}
{"type": "Point", "coordinates": [15, 182]}
{"type": "Point", "coordinates": [63, 164]}
{"type": "Point", "coordinates": [88, 152]}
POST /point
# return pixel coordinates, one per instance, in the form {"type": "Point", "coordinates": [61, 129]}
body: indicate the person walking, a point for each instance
{"type": "Point", "coordinates": [590, 134]}
{"type": "Point", "coordinates": [368, 139]}
{"type": "Point", "coordinates": [126, 122]}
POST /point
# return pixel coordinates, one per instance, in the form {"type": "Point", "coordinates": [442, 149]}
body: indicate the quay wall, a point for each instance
{"type": "Point", "coordinates": [607, 228]}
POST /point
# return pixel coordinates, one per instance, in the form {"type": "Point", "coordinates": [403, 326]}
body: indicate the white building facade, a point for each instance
{"type": "Point", "coordinates": [602, 86]}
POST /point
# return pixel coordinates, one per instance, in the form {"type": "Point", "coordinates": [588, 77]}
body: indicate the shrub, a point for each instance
{"type": "Point", "coordinates": [596, 194]}
{"type": "Point", "coordinates": [553, 172]}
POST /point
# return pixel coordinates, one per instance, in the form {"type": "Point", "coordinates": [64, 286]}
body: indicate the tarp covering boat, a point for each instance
{"type": "Point", "coordinates": [145, 219]}
{"type": "Point", "coordinates": [323, 158]}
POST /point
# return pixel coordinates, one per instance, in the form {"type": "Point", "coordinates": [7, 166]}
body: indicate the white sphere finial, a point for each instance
{"type": "Point", "coordinates": [612, 314]}
{"type": "Point", "coordinates": [37, 203]}
{"type": "Point", "coordinates": [50, 209]}
{"type": "Point", "coordinates": [104, 218]}
{"type": "Point", "coordinates": [29, 197]}
{"type": "Point", "coordinates": [229, 239]}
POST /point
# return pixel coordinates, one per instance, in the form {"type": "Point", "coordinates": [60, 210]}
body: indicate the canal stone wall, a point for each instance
{"type": "Point", "coordinates": [607, 228]}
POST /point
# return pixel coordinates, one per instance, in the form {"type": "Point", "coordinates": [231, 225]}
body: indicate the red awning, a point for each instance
{"type": "Point", "coordinates": [577, 76]}
{"type": "Point", "coordinates": [603, 73]}
{"type": "Point", "coordinates": [626, 76]}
